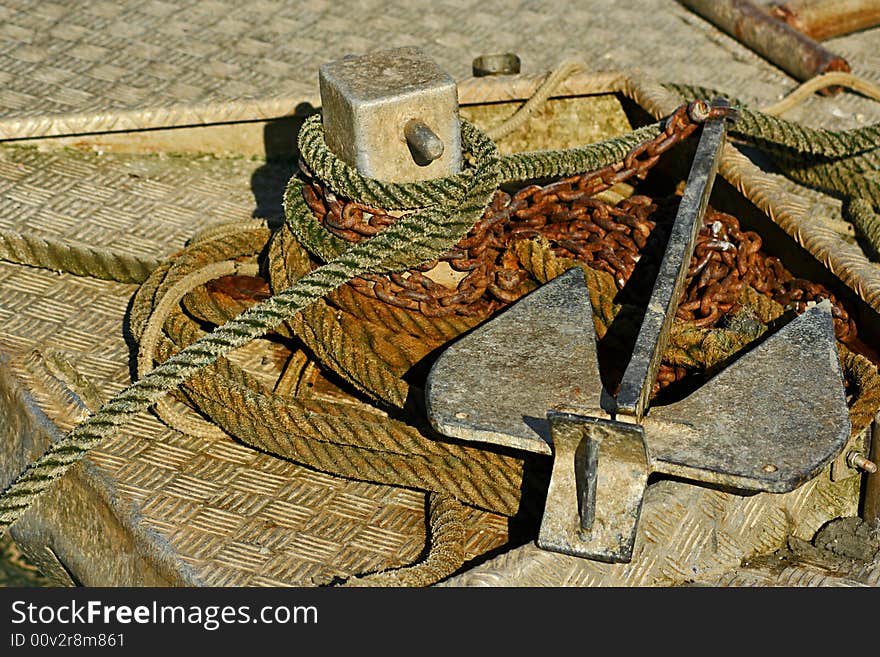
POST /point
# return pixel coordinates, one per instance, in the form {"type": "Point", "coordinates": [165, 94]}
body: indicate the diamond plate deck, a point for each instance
{"type": "Point", "coordinates": [220, 512]}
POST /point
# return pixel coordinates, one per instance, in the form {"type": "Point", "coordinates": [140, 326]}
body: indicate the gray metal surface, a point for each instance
{"type": "Point", "coordinates": [688, 534]}
{"type": "Point", "coordinates": [69, 68]}
{"type": "Point", "coordinates": [85, 67]}
{"type": "Point", "coordinates": [600, 472]}
{"type": "Point", "coordinates": [769, 421]}
{"type": "Point", "coordinates": [798, 424]}
{"type": "Point", "coordinates": [641, 371]}
{"type": "Point", "coordinates": [392, 114]}
{"type": "Point", "coordinates": [506, 63]}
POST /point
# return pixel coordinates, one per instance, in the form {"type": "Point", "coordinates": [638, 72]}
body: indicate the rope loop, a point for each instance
{"type": "Point", "coordinates": [442, 210]}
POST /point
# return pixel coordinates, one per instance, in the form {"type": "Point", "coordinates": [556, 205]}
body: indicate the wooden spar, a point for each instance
{"type": "Point", "coordinates": [824, 19]}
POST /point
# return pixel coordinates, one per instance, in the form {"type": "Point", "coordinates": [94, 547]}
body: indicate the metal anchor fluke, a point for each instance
{"type": "Point", "coordinates": [541, 352]}
{"type": "Point", "coordinates": [529, 379]}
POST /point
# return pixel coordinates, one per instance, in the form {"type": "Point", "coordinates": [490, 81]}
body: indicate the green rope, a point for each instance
{"type": "Point", "coordinates": [861, 214]}
{"type": "Point", "coordinates": [842, 163]}
{"type": "Point", "coordinates": [832, 177]}
{"type": "Point", "coordinates": [554, 164]}
{"type": "Point", "coordinates": [773, 133]}
{"type": "Point", "coordinates": [416, 237]}
{"type": "Point", "coordinates": [74, 258]}
{"type": "Point", "coordinates": [865, 163]}
{"type": "Point", "coordinates": [443, 211]}
{"type": "Point", "coordinates": [345, 180]}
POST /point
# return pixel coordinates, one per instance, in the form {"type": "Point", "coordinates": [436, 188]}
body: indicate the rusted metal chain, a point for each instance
{"type": "Point", "coordinates": [370, 443]}
{"type": "Point", "coordinates": [488, 280]}
{"type": "Point", "coordinates": [612, 238]}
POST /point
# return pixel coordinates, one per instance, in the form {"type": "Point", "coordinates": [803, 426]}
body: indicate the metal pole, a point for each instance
{"type": "Point", "coordinates": [780, 43]}
{"type": "Point", "coordinates": [871, 502]}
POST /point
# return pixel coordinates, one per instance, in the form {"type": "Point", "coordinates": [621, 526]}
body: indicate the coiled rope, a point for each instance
{"type": "Point", "coordinates": [441, 213]}
{"type": "Point", "coordinates": [437, 214]}
{"type": "Point", "coordinates": [844, 164]}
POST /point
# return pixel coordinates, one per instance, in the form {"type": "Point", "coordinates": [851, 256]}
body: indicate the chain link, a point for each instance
{"type": "Point", "coordinates": [626, 239]}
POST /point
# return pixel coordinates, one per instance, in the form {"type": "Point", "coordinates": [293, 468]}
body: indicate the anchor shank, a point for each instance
{"type": "Point", "coordinates": [638, 378]}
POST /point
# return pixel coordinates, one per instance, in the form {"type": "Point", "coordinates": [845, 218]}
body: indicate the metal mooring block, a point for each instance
{"type": "Point", "coordinates": [600, 473]}
{"type": "Point", "coordinates": [392, 114]}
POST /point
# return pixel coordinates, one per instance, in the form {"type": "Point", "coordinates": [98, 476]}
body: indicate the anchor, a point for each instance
{"type": "Point", "coordinates": [529, 379]}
